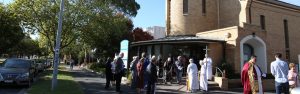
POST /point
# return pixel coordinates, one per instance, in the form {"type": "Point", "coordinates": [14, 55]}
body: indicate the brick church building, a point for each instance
{"type": "Point", "coordinates": [259, 27]}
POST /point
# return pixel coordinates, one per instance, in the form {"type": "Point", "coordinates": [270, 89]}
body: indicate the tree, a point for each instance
{"type": "Point", "coordinates": [84, 19]}
{"type": "Point", "coordinates": [26, 47]}
{"type": "Point", "coordinates": [110, 39]}
{"type": "Point", "coordinates": [10, 32]}
{"type": "Point", "coordinates": [139, 35]}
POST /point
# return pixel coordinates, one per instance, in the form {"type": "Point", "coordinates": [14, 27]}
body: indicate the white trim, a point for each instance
{"type": "Point", "coordinates": [263, 57]}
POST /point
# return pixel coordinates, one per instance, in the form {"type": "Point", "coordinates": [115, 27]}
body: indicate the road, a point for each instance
{"type": "Point", "coordinates": [12, 89]}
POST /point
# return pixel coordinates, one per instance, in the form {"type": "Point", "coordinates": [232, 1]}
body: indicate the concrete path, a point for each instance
{"type": "Point", "coordinates": [93, 83]}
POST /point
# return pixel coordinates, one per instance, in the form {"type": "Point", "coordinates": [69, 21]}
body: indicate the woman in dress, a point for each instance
{"type": "Point", "coordinates": [140, 75]}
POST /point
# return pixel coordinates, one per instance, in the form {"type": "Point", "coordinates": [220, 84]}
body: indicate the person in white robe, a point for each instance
{"type": "Point", "coordinates": [209, 62]}
{"type": "Point", "coordinates": [192, 71]}
{"type": "Point", "coordinates": [203, 78]}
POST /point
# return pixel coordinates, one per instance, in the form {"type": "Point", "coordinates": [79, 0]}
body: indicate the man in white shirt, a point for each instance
{"type": "Point", "coordinates": [279, 70]}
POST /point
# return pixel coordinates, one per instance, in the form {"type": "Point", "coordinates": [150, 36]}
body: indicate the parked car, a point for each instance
{"type": "Point", "coordinates": [17, 71]}
{"type": "Point", "coordinates": [40, 64]}
{"type": "Point", "coordinates": [49, 63]}
{"type": "Point", "coordinates": [34, 67]}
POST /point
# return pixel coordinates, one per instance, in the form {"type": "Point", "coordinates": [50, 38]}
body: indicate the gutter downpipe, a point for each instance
{"type": "Point", "coordinates": [218, 2]}
{"type": "Point", "coordinates": [168, 13]}
{"type": "Point", "coordinates": [250, 18]}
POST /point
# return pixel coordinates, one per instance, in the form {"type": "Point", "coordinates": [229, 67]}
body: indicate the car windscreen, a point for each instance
{"type": "Point", "coordinates": [16, 63]}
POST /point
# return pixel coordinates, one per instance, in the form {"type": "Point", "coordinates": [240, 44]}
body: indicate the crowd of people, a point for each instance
{"type": "Point", "coordinates": [145, 73]}
{"type": "Point", "coordinates": [285, 79]}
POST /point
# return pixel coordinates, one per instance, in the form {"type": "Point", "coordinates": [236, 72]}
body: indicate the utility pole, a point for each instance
{"type": "Point", "coordinates": [57, 46]}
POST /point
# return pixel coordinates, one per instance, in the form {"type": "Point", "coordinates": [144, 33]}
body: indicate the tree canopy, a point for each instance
{"type": "Point", "coordinates": [139, 34]}
{"type": "Point", "coordinates": [10, 32]}
{"type": "Point", "coordinates": [98, 23]}
{"type": "Point", "coordinates": [26, 47]}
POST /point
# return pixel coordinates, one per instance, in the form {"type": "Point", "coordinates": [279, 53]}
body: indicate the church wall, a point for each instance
{"type": "Point", "coordinates": [229, 13]}
{"type": "Point", "coordinates": [294, 35]}
{"type": "Point", "coordinates": [216, 54]}
{"type": "Point", "coordinates": [252, 30]}
{"type": "Point", "coordinates": [231, 51]}
{"type": "Point", "coordinates": [234, 19]}
{"type": "Point", "coordinates": [274, 16]}
{"type": "Point", "coordinates": [194, 21]}
{"type": "Point", "coordinates": [244, 12]}
{"type": "Point", "coordinates": [176, 18]}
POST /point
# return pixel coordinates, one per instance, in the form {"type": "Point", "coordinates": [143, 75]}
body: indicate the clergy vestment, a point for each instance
{"type": "Point", "coordinates": [203, 76]}
{"type": "Point", "coordinates": [251, 79]}
{"type": "Point", "coordinates": [209, 67]}
{"type": "Point", "coordinates": [192, 72]}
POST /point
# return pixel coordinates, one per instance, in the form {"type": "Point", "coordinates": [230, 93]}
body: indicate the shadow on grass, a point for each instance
{"type": "Point", "coordinates": [60, 72]}
{"type": "Point", "coordinates": [65, 84]}
{"type": "Point", "coordinates": [79, 74]}
{"type": "Point", "coordinates": [93, 83]}
{"type": "Point", "coordinates": [98, 88]}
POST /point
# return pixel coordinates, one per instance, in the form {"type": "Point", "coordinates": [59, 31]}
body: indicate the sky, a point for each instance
{"type": "Point", "coordinates": [152, 12]}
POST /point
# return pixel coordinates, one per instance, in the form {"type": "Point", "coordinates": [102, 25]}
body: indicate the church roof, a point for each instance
{"type": "Point", "coordinates": [282, 3]}
{"type": "Point", "coordinates": [180, 39]}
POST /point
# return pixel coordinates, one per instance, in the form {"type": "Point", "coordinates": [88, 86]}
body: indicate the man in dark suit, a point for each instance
{"type": "Point", "coordinates": [119, 71]}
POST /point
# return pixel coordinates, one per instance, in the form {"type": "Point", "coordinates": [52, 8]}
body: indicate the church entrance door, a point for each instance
{"type": "Point", "coordinates": [253, 45]}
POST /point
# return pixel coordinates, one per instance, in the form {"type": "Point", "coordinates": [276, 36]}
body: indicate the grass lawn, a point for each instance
{"type": "Point", "coordinates": [66, 84]}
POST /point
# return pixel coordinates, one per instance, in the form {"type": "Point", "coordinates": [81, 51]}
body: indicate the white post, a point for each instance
{"type": "Point", "coordinates": [298, 63]}
{"type": "Point", "coordinates": [57, 46]}
{"type": "Point", "coordinates": [299, 58]}
{"type": "Point", "coordinates": [206, 52]}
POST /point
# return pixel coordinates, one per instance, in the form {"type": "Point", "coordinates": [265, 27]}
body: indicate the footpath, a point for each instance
{"type": "Point", "coordinates": [94, 83]}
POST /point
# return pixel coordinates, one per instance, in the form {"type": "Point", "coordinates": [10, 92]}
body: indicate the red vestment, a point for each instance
{"type": "Point", "coordinates": [245, 78]}
{"type": "Point", "coordinates": [140, 75]}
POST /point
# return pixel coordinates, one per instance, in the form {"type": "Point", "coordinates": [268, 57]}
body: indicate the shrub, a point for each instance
{"type": "Point", "coordinates": [228, 69]}
{"type": "Point", "coordinates": [98, 67]}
